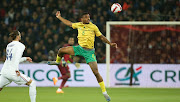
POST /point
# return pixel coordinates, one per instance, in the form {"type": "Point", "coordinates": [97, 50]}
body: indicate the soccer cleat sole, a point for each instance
{"type": "Point", "coordinates": [59, 92]}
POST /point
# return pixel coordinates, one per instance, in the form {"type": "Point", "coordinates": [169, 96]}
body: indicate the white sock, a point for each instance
{"type": "Point", "coordinates": [105, 92]}
{"type": "Point", "coordinates": [32, 91]}
{"type": "Point", "coordinates": [58, 89]}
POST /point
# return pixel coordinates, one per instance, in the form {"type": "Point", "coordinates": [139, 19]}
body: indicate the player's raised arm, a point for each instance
{"type": "Point", "coordinates": [105, 40]}
{"type": "Point", "coordinates": [65, 21]}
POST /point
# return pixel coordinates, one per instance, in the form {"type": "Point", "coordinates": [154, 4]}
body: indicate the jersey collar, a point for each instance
{"type": "Point", "coordinates": [86, 24]}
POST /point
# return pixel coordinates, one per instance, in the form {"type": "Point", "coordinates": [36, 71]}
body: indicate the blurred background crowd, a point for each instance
{"type": "Point", "coordinates": [149, 44]}
{"type": "Point", "coordinates": [43, 34]}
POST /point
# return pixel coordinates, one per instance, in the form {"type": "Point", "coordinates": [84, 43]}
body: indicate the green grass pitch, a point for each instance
{"type": "Point", "coordinates": [83, 94]}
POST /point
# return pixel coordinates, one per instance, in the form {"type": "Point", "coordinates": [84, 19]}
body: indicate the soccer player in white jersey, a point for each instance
{"type": "Point", "coordinates": [10, 71]}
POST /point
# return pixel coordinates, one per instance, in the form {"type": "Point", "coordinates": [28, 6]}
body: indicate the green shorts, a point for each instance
{"type": "Point", "coordinates": [87, 54]}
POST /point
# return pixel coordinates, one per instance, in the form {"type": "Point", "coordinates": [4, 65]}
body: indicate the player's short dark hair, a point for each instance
{"type": "Point", "coordinates": [84, 13]}
{"type": "Point", "coordinates": [14, 34]}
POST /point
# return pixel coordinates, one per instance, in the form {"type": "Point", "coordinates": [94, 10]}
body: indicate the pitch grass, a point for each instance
{"type": "Point", "coordinates": [47, 94]}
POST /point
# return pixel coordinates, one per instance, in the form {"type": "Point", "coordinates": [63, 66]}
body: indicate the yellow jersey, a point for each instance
{"type": "Point", "coordinates": [86, 34]}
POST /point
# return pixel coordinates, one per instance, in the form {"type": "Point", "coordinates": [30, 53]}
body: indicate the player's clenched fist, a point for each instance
{"type": "Point", "coordinates": [114, 45]}
{"type": "Point", "coordinates": [58, 14]}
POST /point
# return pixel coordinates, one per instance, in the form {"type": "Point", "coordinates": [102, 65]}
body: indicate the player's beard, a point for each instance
{"type": "Point", "coordinates": [87, 22]}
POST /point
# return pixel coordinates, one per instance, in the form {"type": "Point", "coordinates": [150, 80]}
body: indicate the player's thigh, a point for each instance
{"type": "Point", "coordinates": [67, 50]}
{"type": "Point", "coordinates": [64, 70]}
{"type": "Point", "coordinates": [4, 81]}
{"type": "Point", "coordinates": [89, 56]}
{"type": "Point", "coordinates": [68, 71]}
{"type": "Point", "coordinates": [94, 67]}
{"type": "Point", "coordinates": [21, 79]}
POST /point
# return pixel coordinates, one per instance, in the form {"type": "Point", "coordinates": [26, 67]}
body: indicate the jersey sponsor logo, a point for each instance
{"type": "Point", "coordinates": [78, 75]}
{"type": "Point", "coordinates": [84, 29]}
{"type": "Point", "coordinates": [87, 30]}
{"type": "Point", "coordinates": [168, 75]}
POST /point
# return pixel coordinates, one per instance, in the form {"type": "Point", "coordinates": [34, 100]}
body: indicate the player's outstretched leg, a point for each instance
{"type": "Point", "coordinates": [62, 62]}
{"type": "Point", "coordinates": [94, 68]}
{"type": "Point", "coordinates": [65, 50]}
{"type": "Point", "coordinates": [32, 90]}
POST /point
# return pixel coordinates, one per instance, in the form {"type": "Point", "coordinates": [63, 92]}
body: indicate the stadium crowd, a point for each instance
{"type": "Point", "coordinates": [146, 47]}
{"type": "Point", "coordinates": [43, 34]}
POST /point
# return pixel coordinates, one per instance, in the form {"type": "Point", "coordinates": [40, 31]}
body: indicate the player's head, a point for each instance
{"type": "Point", "coordinates": [71, 41]}
{"type": "Point", "coordinates": [85, 17]}
{"type": "Point", "coordinates": [15, 35]}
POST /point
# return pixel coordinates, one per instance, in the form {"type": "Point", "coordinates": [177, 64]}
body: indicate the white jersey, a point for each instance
{"type": "Point", "coordinates": [14, 51]}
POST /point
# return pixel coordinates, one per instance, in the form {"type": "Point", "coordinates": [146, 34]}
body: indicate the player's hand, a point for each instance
{"type": "Point", "coordinates": [114, 45]}
{"type": "Point", "coordinates": [77, 65]}
{"type": "Point", "coordinates": [29, 59]}
{"type": "Point", "coordinates": [58, 14]}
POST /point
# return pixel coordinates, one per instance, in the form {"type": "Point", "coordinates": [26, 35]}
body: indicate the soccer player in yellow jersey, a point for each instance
{"type": "Point", "coordinates": [86, 36]}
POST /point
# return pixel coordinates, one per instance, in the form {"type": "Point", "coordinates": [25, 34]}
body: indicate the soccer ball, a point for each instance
{"type": "Point", "coordinates": [116, 8]}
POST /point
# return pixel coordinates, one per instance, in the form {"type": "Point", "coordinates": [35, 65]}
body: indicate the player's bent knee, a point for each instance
{"type": "Point", "coordinates": [29, 82]}
{"type": "Point", "coordinates": [69, 75]}
{"type": "Point", "coordinates": [62, 50]}
{"type": "Point", "coordinates": [33, 84]}
{"type": "Point", "coordinates": [59, 51]}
